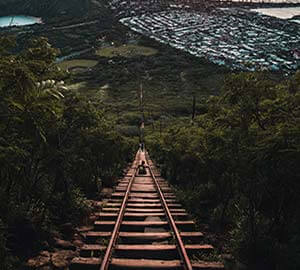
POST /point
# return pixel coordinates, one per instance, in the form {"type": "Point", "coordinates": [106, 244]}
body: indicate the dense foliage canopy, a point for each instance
{"type": "Point", "coordinates": [238, 164]}
{"type": "Point", "coordinates": [235, 164]}
{"type": "Point", "coordinates": [55, 149]}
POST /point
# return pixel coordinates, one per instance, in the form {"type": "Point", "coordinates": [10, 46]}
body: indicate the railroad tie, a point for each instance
{"type": "Point", "coordinates": [143, 226]}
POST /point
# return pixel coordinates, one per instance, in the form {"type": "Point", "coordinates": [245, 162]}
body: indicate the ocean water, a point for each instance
{"type": "Point", "coordinates": [282, 13]}
{"type": "Point", "coordinates": [18, 20]}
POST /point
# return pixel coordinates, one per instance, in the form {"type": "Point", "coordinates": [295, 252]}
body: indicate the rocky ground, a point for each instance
{"type": "Point", "coordinates": [66, 243]}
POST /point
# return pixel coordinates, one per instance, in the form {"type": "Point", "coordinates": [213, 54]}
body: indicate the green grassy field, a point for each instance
{"type": "Point", "coordinates": [126, 51]}
{"type": "Point", "coordinates": [82, 63]}
{"type": "Point", "coordinates": [170, 78]}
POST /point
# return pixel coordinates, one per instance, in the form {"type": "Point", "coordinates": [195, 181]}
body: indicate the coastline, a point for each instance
{"type": "Point", "coordinates": [285, 13]}
{"type": "Point", "coordinates": [21, 20]}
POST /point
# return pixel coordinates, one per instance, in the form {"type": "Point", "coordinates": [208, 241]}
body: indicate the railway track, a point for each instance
{"type": "Point", "coordinates": [142, 226]}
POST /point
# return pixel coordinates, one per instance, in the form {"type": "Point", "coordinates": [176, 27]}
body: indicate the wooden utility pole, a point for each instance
{"type": "Point", "coordinates": [160, 127]}
{"type": "Point", "coordinates": [194, 107]}
{"type": "Point", "coordinates": [142, 113]}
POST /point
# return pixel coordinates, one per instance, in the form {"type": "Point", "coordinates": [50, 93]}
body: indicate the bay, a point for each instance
{"type": "Point", "coordinates": [18, 20]}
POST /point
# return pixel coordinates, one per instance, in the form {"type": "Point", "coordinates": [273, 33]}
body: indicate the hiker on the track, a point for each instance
{"type": "Point", "coordinates": [142, 146]}
{"type": "Point", "coordinates": [142, 168]}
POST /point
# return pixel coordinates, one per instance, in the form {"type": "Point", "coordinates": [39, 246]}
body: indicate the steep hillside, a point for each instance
{"type": "Point", "coordinates": [45, 8]}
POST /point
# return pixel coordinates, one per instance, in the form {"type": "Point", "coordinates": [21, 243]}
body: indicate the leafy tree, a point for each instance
{"type": "Point", "coordinates": [55, 148]}
{"type": "Point", "coordinates": [240, 160]}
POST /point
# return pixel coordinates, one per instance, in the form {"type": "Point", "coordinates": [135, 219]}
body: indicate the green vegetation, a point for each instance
{"type": "Point", "coordinates": [78, 63]}
{"type": "Point", "coordinates": [126, 51]}
{"type": "Point", "coordinates": [237, 165]}
{"type": "Point", "coordinates": [170, 79]}
{"type": "Point", "coordinates": [47, 8]}
{"type": "Point", "coordinates": [236, 161]}
{"type": "Point", "coordinates": [55, 149]}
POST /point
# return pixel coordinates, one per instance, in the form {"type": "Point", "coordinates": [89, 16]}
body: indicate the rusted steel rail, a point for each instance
{"type": "Point", "coordinates": [105, 262]}
{"type": "Point", "coordinates": [186, 261]}
{"type": "Point", "coordinates": [145, 228]}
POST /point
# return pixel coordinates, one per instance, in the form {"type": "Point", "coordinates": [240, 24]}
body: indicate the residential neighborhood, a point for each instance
{"type": "Point", "coordinates": [238, 38]}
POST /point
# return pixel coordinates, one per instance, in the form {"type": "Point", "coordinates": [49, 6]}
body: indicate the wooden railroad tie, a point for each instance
{"type": "Point", "coordinates": [143, 227]}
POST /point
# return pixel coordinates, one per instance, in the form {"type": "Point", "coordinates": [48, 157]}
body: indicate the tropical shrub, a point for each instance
{"type": "Point", "coordinates": [240, 158]}
{"type": "Point", "coordinates": [55, 148]}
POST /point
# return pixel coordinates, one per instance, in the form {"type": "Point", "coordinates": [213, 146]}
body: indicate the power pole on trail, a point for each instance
{"type": "Point", "coordinates": [141, 99]}
{"type": "Point", "coordinates": [142, 108]}
{"type": "Point", "coordinates": [194, 108]}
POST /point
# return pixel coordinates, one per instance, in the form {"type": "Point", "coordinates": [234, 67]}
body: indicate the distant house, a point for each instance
{"type": "Point", "coordinates": [296, 54]}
